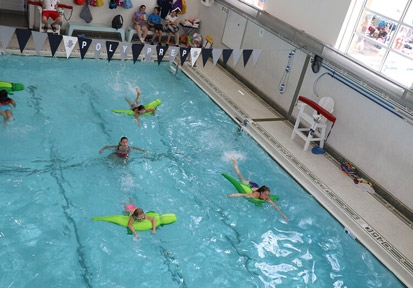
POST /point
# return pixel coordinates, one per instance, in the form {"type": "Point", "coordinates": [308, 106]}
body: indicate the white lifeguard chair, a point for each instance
{"type": "Point", "coordinates": [39, 10]}
{"type": "Point", "coordinates": [317, 121]}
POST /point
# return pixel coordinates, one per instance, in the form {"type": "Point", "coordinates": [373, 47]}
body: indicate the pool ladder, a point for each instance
{"type": "Point", "coordinates": [174, 69]}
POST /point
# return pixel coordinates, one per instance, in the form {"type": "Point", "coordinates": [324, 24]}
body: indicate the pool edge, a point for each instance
{"type": "Point", "coordinates": [369, 237]}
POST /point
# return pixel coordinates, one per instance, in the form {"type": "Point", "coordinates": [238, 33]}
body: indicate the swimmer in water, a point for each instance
{"type": "Point", "coordinates": [138, 215]}
{"type": "Point", "coordinates": [262, 192]}
{"type": "Point", "coordinates": [5, 108]}
{"type": "Point", "coordinates": [139, 109]}
{"type": "Point", "coordinates": [122, 149]}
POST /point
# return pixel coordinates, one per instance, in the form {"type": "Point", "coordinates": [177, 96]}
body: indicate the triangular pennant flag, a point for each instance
{"type": "Point", "coordinates": [97, 46]}
{"type": "Point", "coordinates": [5, 35]}
{"type": "Point", "coordinates": [54, 41]}
{"type": "Point", "coordinates": [195, 52]}
{"type": "Point", "coordinates": [22, 37]}
{"type": "Point", "coordinates": [184, 54]}
{"type": "Point", "coordinates": [124, 49]}
{"type": "Point", "coordinates": [226, 53]}
{"type": "Point", "coordinates": [216, 53]}
{"type": "Point", "coordinates": [84, 46]}
{"type": "Point", "coordinates": [111, 48]}
{"type": "Point", "coordinates": [160, 52]}
{"type": "Point", "coordinates": [136, 50]}
{"type": "Point", "coordinates": [255, 55]}
{"type": "Point", "coordinates": [70, 43]}
{"type": "Point", "coordinates": [246, 55]}
{"type": "Point", "coordinates": [38, 39]}
{"type": "Point", "coordinates": [148, 51]}
{"type": "Point", "coordinates": [236, 55]}
{"type": "Point", "coordinates": [205, 55]}
{"type": "Point", "coordinates": [173, 52]}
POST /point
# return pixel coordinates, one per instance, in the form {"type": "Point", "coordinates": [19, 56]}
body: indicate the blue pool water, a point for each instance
{"type": "Point", "coordinates": [53, 181]}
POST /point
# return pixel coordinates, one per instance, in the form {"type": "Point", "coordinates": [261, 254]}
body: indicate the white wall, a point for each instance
{"type": "Point", "coordinates": [321, 19]}
{"type": "Point", "coordinates": [104, 15]}
{"type": "Point", "coordinates": [366, 134]}
{"type": "Point", "coordinates": [14, 5]}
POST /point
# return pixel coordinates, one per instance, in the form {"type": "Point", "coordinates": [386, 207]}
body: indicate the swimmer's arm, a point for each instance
{"type": "Point", "coordinates": [137, 148]}
{"type": "Point", "coordinates": [151, 110]}
{"type": "Point", "coordinates": [106, 147]}
{"type": "Point", "coordinates": [153, 223]}
{"type": "Point", "coordinates": [131, 227]}
{"type": "Point", "coordinates": [138, 91]}
{"type": "Point", "coordinates": [278, 209]}
{"type": "Point", "coordinates": [136, 118]}
{"type": "Point", "coordinates": [12, 102]}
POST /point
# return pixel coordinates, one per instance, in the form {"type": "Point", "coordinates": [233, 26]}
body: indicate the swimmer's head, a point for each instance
{"type": "Point", "coordinates": [141, 109]}
{"type": "Point", "coordinates": [123, 142]}
{"type": "Point", "coordinates": [4, 96]}
{"type": "Point", "coordinates": [264, 192]}
{"type": "Point", "coordinates": [139, 215]}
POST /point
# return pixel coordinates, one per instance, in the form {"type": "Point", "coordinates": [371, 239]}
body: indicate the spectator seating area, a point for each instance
{"type": "Point", "coordinates": [72, 26]}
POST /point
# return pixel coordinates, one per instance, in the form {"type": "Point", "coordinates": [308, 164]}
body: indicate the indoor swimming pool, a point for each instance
{"type": "Point", "coordinates": [54, 181]}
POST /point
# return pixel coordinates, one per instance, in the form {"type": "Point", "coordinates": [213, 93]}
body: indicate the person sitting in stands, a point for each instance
{"type": "Point", "coordinates": [154, 22]}
{"type": "Point", "coordinates": [139, 20]}
{"type": "Point", "coordinates": [172, 24]}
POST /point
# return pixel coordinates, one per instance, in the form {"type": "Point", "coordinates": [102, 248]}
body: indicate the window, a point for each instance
{"type": "Point", "coordinates": [256, 3]}
{"type": "Point", "coordinates": [383, 39]}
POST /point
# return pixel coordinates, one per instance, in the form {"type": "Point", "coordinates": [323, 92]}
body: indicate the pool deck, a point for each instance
{"type": "Point", "coordinates": [370, 219]}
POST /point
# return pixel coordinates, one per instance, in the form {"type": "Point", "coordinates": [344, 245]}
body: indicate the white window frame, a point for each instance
{"type": "Point", "coordinates": [349, 30]}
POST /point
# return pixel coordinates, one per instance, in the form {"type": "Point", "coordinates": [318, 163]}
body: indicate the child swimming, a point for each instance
{"type": "Point", "coordinates": [139, 109]}
{"type": "Point", "coordinates": [5, 109]}
{"type": "Point", "coordinates": [122, 149]}
{"type": "Point", "coordinates": [262, 192]}
{"type": "Point", "coordinates": [138, 215]}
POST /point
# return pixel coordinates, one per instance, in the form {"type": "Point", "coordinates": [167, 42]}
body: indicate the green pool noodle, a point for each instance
{"type": "Point", "coordinates": [9, 87]}
{"type": "Point", "coordinates": [246, 189]}
{"type": "Point", "coordinates": [153, 104]}
{"type": "Point", "coordinates": [122, 220]}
